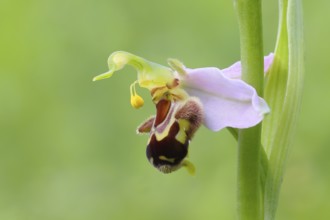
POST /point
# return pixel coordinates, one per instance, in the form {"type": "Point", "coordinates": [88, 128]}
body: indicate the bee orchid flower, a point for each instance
{"type": "Point", "coordinates": [186, 98]}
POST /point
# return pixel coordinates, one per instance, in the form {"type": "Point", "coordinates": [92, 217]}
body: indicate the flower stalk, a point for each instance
{"type": "Point", "coordinates": [250, 202]}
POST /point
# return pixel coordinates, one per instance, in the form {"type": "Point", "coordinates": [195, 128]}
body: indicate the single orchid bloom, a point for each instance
{"type": "Point", "coordinates": [186, 98]}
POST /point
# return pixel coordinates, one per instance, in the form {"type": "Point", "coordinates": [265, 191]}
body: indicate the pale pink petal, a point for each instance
{"type": "Point", "coordinates": [235, 70]}
{"type": "Point", "coordinates": [227, 102]}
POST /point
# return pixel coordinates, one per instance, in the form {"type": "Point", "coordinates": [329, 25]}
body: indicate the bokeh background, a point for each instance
{"type": "Point", "coordinates": [68, 148]}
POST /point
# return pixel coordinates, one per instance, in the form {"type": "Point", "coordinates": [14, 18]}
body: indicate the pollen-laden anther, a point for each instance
{"type": "Point", "coordinates": [170, 133]}
{"type": "Point", "coordinates": [136, 100]}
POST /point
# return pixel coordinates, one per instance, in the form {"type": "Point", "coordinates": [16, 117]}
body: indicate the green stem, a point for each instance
{"type": "Point", "coordinates": [250, 202]}
{"type": "Point", "coordinates": [263, 160]}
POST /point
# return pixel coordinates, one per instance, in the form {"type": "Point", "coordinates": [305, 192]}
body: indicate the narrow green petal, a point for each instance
{"type": "Point", "coordinates": [177, 66]}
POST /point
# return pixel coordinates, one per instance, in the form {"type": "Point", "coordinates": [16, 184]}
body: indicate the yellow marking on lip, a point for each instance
{"type": "Point", "coordinates": [163, 128]}
{"type": "Point", "coordinates": [161, 135]}
{"type": "Point", "coordinates": [183, 127]}
{"type": "Point", "coordinates": [171, 160]}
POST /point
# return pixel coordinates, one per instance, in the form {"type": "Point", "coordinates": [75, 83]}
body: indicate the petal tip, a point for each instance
{"type": "Point", "coordinates": [103, 76]}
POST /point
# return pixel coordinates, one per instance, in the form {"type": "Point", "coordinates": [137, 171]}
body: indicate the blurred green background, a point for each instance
{"type": "Point", "coordinates": [68, 148]}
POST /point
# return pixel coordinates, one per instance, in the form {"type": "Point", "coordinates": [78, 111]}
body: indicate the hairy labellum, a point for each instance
{"type": "Point", "coordinates": [170, 133]}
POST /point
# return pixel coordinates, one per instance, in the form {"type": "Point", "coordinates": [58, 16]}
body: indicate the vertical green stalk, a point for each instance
{"type": "Point", "coordinates": [250, 202]}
